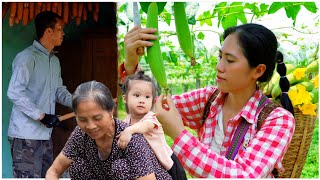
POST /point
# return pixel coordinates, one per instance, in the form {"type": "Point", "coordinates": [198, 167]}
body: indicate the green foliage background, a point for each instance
{"type": "Point", "coordinates": [183, 77]}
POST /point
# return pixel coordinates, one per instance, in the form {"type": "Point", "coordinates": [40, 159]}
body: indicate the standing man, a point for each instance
{"type": "Point", "coordinates": [35, 87]}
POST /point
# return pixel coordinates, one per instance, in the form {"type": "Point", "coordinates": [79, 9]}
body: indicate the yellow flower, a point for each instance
{"type": "Point", "coordinates": [301, 88]}
{"type": "Point", "coordinates": [308, 109]}
{"type": "Point", "coordinates": [301, 98]}
{"type": "Point", "coordinates": [299, 73]}
{"type": "Point", "coordinates": [305, 97]}
{"type": "Point", "coordinates": [293, 94]}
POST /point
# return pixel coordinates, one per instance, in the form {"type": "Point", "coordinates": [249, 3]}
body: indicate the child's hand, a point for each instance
{"type": "Point", "coordinates": [124, 139]}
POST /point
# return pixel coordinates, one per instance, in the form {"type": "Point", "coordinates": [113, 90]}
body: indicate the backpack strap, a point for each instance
{"type": "Point", "coordinates": [267, 107]}
{"type": "Point", "coordinates": [241, 132]}
{"type": "Point", "coordinates": [208, 104]}
{"type": "Point", "coordinates": [237, 138]}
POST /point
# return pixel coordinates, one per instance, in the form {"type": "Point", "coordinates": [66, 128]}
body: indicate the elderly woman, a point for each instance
{"type": "Point", "coordinates": [92, 152]}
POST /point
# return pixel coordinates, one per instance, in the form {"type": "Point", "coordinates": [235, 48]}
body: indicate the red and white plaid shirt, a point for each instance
{"type": "Point", "coordinates": [123, 73]}
{"type": "Point", "coordinates": [260, 152]}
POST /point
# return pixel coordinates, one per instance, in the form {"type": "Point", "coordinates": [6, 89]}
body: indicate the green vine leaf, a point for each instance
{"type": "Point", "coordinates": [220, 9]}
{"type": "Point", "coordinates": [121, 22]}
{"type": "Point", "coordinates": [286, 35]}
{"type": "Point", "coordinates": [228, 21]}
{"type": "Point", "coordinates": [310, 6]}
{"type": "Point", "coordinates": [170, 56]}
{"type": "Point", "coordinates": [236, 9]}
{"type": "Point", "coordinates": [122, 8]}
{"type": "Point", "coordinates": [200, 36]}
{"type": "Point", "coordinates": [229, 14]}
{"type": "Point", "coordinates": [252, 7]}
{"type": "Point", "coordinates": [191, 11]}
{"type": "Point", "coordinates": [255, 9]}
{"type": "Point", "coordinates": [292, 11]}
{"type": "Point", "coordinates": [275, 7]}
{"type": "Point", "coordinates": [192, 20]}
{"type": "Point", "coordinates": [201, 19]}
{"type": "Point", "coordinates": [166, 16]}
{"type": "Point", "coordinates": [263, 9]}
{"type": "Point", "coordinates": [164, 56]}
{"type": "Point", "coordinates": [207, 16]}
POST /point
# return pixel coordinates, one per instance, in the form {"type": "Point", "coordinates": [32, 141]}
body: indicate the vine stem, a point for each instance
{"type": "Point", "coordinates": [296, 30]}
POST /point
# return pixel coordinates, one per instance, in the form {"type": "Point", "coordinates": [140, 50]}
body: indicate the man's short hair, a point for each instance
{"type": "Point", "coordinates": [44, 20]}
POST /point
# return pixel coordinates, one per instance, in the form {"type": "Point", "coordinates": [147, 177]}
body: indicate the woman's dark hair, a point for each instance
{"type": "Point", "coordinates": [259, 45]}
{"type": "Point", "coordinates": [94, 91]}
{"type": "Point", "coordinates": [142, 77]}
{"type": "Point", "coordinates": [44, 20]}
{"type": "Point", "coordinates": [284, 83]}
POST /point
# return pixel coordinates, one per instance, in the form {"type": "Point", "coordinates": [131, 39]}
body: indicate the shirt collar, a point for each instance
{"type": "Point", "coordinates": [216, 103]}
{"type": "Point", "coordinates": [249, 111]}
{"type": "Point", "coordinates": [41, 48]}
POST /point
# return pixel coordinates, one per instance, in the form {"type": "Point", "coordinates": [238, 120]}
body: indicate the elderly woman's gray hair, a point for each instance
{"type": "Point", "coordinates": [93, 91]}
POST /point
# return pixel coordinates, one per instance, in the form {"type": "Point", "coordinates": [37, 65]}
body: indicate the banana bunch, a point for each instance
{"type": "Point", "coordinates": [154, 55]}
{"type": "Point", "coordinates": [313, 67]}
{"type": "Point", "coordinates": [272, 87]}
{"type": "Point", "coordinates": [183, 32]}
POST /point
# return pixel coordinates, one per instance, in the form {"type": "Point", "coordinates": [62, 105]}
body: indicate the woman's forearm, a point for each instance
{"type": "Point", "coordinates": [58, 167]}
{"type": "Point", "coordinates": [52, 175]}
{"type": "Point", "coordinates": [130, 66]}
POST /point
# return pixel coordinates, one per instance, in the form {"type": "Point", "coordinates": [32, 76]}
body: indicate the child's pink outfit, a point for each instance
{"type": "Point", "coordinates": [156, 140]}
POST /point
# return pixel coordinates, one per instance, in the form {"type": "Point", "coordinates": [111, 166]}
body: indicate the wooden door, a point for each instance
{"type": "Point", "coordinates": [101, 53]}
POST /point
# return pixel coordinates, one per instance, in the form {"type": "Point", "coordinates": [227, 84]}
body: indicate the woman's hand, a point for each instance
{"type": "Point", "coordinates": [136, 38]}
{"type": "Point", "coordinates": [169, 116]}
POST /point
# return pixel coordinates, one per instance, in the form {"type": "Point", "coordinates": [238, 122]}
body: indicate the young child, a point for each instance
{"type": "Point", "coordinates": [139, 95]}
